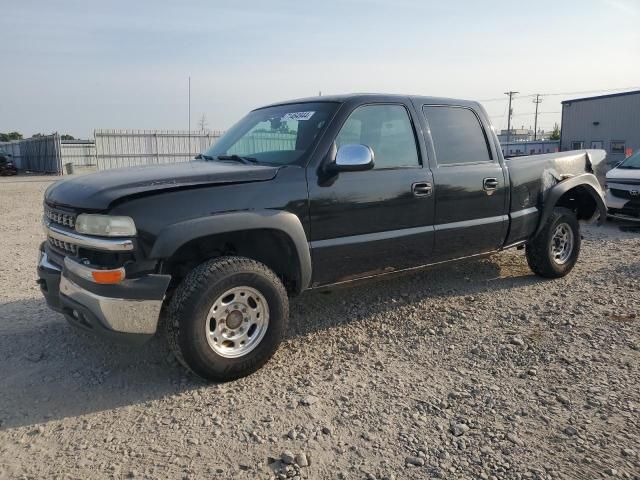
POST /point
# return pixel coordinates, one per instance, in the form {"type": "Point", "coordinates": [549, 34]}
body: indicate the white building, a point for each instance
{"type": "Point", "coordinates": [522, 135]}
{"type": "Point", "coordinates": [516, 149]}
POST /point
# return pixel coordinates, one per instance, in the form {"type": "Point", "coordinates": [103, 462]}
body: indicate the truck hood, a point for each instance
{"type": "Point", "coordinates": [97, 191]}
{"type": "Point", "coordinates": [626, 175]}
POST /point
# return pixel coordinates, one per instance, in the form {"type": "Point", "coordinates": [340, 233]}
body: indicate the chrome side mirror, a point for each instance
{"type": "Point", "coordinates": [353, 158]}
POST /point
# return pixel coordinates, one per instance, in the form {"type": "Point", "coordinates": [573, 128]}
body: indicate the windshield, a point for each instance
{"type": "Point", "coordinates": [631, 162]}
{"type": "Point", "coordinates": [280, 135]}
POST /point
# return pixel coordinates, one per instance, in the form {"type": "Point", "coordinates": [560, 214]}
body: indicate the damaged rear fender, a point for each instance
{"type": "Point", "coordinates": [581, 193]}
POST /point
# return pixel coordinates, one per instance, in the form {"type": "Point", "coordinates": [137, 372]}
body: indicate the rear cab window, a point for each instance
{"type": "Point", "coordinates": [457, 134]}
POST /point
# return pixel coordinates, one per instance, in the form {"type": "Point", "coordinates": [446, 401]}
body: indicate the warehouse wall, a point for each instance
{"type": "Point", "coordinates": [615, 118]}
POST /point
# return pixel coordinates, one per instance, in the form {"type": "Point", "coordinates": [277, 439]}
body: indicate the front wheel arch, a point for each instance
{"type": "Point", "coordinates": [282, 225]}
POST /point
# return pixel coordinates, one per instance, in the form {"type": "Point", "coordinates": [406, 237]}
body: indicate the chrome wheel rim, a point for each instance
{"type": "Point", "coordinates": [237, 322]}
{"type": "Point", "coordinates": [562, 244]}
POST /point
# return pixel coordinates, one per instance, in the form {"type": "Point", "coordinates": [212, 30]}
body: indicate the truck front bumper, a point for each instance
{"type": "Point", "coordinates": [625, 207]}
{"type": "Point", "coordinates": [128, 311]}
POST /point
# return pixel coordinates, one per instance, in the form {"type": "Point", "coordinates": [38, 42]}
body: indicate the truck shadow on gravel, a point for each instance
{"type": "Point", "coordinates": [464, 278]}
{"type": "Point", "coordinates": [52, 371]}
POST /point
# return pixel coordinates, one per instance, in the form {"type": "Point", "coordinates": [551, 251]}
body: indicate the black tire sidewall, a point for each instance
{"type": "Point", "coordinates": [539, 254]}
{"type": "Point", "coordinates": [194, 316]}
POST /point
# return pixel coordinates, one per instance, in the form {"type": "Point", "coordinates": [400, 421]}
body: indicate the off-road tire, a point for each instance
{"type": "Point", "coordinates": [539, 256]}
{"type": "Point", "coordinates": [187, 316]}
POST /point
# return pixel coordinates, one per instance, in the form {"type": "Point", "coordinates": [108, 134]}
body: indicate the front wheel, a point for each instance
{"type": "Point", "coordinates": [554, 251]}
{"type": "Point", "coordinates": [227, 318]}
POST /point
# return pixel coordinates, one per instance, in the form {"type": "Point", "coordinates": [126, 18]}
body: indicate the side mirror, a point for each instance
{"type": "Point", "coordinates": [353, 158]}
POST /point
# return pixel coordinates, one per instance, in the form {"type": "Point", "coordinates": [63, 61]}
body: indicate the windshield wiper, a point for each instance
{"type": "Point", "coordinates": [202, 156]}
{"type": "Point", "coordinates": [238, 158]}
{"type": "Point", "coordinates": [226, 158]}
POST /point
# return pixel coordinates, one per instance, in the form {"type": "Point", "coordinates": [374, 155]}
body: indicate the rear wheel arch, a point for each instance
{"type": "Point", "coordinates": [581, 194]}
{"type": "Point", "coordinates": [579, 200]}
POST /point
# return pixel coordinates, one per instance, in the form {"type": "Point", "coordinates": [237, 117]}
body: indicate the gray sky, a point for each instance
{"type": "Point", "coordinates": [74, 66]}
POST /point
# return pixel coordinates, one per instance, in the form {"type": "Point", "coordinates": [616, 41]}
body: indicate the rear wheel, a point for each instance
{"type": "Point", "coordinates": [227, 318]}
{"type": "Point", "coordinates": [555, 250]}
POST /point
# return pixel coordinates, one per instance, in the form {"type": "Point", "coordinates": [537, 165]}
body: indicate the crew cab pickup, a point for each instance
{"type": "Point", "coordinates": [299, 195]}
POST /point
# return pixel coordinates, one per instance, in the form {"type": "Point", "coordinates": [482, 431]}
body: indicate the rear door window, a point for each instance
{"type": "Point", "coordinates": [458, 136]}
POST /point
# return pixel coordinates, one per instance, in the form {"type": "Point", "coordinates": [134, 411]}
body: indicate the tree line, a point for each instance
{"type": "Point", "coordinates": [7, 137]}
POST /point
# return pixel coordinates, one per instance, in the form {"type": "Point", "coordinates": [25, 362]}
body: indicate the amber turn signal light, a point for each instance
{"type": "Point", "coordinates": [108, 276]}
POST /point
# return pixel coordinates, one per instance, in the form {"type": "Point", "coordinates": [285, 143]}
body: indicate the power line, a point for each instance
{"type": "Point", "coordinates": [593, 91]}
{"type": "Point", "coordinates": [525, 114]}
{"type": "Point", "coordinates": [582, 92]}
{"type": "Point", "coordinates": [502, 116]}
{"type": "Point", "coordinates": [492, 99]}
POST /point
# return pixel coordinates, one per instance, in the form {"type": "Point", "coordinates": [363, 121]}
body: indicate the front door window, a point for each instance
{"type": "Point", "coordinates": [387, 130]}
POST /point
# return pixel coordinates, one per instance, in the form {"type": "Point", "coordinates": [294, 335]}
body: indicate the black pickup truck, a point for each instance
{"type": "Point", "coordinates": [300, 195]}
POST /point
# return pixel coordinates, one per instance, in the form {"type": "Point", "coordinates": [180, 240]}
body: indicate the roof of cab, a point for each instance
{"type": "Point", "coordinates": [374, 97]}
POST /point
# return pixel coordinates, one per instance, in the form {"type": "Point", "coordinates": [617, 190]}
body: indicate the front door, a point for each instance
{"type": "Point", "coordinates": [375, 221]}
{"type": "Point", "coordinates": [470, 187]}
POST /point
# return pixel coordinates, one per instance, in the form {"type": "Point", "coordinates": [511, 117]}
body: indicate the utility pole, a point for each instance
{"type": "Point", "coordinates": [537, 101]}
{"type": "Point", "coordinates": [189, 135]}
{"type": "Point", "coordinates": [202, 123]}
{"type": "Point", "coordinates": [511, 94]}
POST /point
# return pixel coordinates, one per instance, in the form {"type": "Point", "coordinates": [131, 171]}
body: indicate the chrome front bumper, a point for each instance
{"type": "Point", "coordinates": [117, 314]}
{"type": "Point", "coordinates": [626, 209]}
{"type": "Point", "coordinates": [614, 202]}
{"type": "Point", "coordinates": [131, 307]}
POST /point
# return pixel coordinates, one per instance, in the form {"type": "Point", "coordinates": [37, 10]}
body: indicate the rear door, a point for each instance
{"type": "Point", "coordinates": [470, 188]}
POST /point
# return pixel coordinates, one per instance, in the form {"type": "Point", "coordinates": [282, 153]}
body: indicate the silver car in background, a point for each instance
{"type": "Point", "coordinates": [622, 189]}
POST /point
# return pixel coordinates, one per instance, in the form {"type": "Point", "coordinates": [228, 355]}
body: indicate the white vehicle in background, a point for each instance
{"type": "Point", "coordinates": [622, 194]}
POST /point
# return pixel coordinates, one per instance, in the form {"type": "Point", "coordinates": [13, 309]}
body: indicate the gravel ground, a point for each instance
{"type": "Point", "coordinates": [472, 370]}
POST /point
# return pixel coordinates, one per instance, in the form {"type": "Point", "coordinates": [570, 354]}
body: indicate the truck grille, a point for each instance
{"type": "Point", "coordinates": [63, 246]}
{"type": "Point", "coordinates": [59, 217]}
{"type": "Point", "coordinates": [625, 193]}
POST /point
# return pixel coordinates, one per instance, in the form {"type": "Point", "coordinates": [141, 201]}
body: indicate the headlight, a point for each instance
{"type": "Point", "coordinates": [105, 225]}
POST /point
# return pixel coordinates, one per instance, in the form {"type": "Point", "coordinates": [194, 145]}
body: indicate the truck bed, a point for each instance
{"type": "Point", "coordinates": [532, 178]}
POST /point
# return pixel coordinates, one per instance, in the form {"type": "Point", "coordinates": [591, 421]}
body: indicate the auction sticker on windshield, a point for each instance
{"type": "Point", "coordinates": [297, 116]}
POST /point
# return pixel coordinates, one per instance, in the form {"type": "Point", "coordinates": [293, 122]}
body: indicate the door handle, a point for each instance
{"type": "Point", "coordinates": [421, 189]}
{"type": "Point", "coordinates": [490, 184]}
